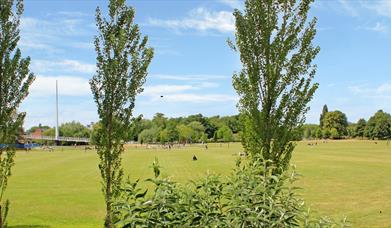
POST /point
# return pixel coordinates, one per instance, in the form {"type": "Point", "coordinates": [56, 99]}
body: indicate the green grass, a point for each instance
{"type": "Point", "coordinates": [62, 188]}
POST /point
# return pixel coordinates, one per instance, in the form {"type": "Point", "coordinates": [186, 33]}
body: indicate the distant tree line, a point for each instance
{"type": "Point", "coordinates": [198, 128]}
{"type": "Point", "coordinates": [334, 125]}
{"type": "Point", "coordinates": [191, 129]}
{"type": "Point", "coordinates": [161, 129]}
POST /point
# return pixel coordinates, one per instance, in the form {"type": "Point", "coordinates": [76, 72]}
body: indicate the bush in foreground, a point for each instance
{"type": "Point", "coordinates": [257, 194]}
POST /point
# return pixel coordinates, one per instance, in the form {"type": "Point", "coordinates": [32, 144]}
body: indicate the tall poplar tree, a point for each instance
{"type": "Point", "coordinates": [15, 79]}
{"type": "Point", "coordinates": [275, 84]}
{"type": "Point", "coordinates": [325, 110]}
{"type": "Point", "coordinates": [123, 58]}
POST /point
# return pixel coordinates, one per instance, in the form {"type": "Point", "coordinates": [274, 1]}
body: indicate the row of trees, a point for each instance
{"type": "Point", "coordinates": [198, 128]}
{"type": "Point", "coordinates": [335, 125]}
{"type": "Point", "coordinates": [194, 128]}
{"type": "Point", "coordinates": [161, 129]}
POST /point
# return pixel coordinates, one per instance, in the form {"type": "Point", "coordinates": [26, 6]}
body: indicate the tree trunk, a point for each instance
{"type": "Point", "coordinates": [1, 218]}
{"type": "Point", "coordinates": [108, 221]}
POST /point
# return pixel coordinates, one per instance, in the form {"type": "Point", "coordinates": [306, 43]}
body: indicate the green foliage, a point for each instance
{"type": "Point", "coordinates": [325, 110]}
{"type": "Point", "coordinates": [275, 84]}
{"type": "Point", "coordinates": [379, 126]}
{"type": "Point", "coordinates": [326, 133]}
{"type": "Point", "coordinates": [159, 120]}
{"type": "Point", "coordinates": [122, 62]}
{"type": "Point", "coordinates": [150, 135]}
{"type": "Point", "coordinates": [138, 125]}
{"type": "Point", "coordinates": [168, 128]}
{"type": "Point", "coordinates": [255, 195]}
{"type": "Point", "coordinates": [172, 133]}
{"type": "Point", "coordinates": [74, 129]}
{"type": "Point", "coordinates": [360, 128]}
{"type": "Point", "coordinates": [318, 133]}
{"type": "Point", "coordinates": [307, 133]}
{"type": "Point", "coordinates": [198, 130]}
{"type": "Point", "coordinates": [70, 129]}
{"type": "Point", "coordinates": [351, 130]}
{"type": "Point", "coordinates": [204, 137]}
{"type": "Point", "coordinates": [185, 133]}
{"type": "Point", "coordinates": [225, 134]}
{"type": "Point", "coordinates": [135, 128]}
{"type": "Point", "coordinates": [49, 132]}
{"type": "Point", "coordinates": [164, 136]}
{"type": "Point", "coordinates": [94, 133]}
{"type": "Point", "coordinates": [334, 134]}
{"type": "Point", "coordinates": [15, 80]}
{"type": "Point", "coordinates": [233, 123]}
{"type": "Point", "coordinates": [310, 131]}
{"type": "Point", "coordinates": [337, 120]}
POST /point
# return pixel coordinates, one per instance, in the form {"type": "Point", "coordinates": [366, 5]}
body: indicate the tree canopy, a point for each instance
{"type": "Point", "coordinates": [274, 40]}
{"type": "Point", "coordinates": [379, 126]}
{"type": "Point", "coordinates": [336, 120]}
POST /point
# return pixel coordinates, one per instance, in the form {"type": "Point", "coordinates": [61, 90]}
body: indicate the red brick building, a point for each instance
{"type": "Point", "coordinates": [37, 133]}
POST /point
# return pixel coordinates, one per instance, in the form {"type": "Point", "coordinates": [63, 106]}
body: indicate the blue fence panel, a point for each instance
{"type": "Point", "coordinates": [21, 146]}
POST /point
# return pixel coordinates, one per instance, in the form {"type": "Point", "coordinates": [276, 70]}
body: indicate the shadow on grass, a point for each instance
{"type": "Point", "coordinates": [28, 226]}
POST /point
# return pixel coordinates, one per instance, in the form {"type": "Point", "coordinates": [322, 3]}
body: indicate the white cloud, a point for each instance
{"type": "Point", "coordinates": [352, 11]}
{"type": "Point", "coordinates": [204, 77]}
{"type": "Point", "coordinates": [78, 66]}
{"type": "Point", "coordinates": [67, 86]}
{"type": "Point", "coordinates": [381, 7]}
{"type": "Point", "coordinates": [209, 85]}
{"type": "Point", "coordinates": [199, 19]}
{"type": "Point", "coordinates": [158, 90]}
{"type": "Point", "coordinates": [382, 91]}
{"type": "Point", "coordinates": [198, 98]}
{"type": "Point", "coordinates": [166, 89]}
{"type": "Point", "coordinates": [72, 14]}
{"type": "Point", "coordinates": [67, 65]}
{"type": "Point", "coordinates": [63, 27]}
{"type": "Point", "coordinates": [193, 93]}
{"type": "Point", "coordinates": [378, 27]}
{"type": "Point", "coordinates": [54, 34]}
{"type": "Point", "coordinates": [83, 45]}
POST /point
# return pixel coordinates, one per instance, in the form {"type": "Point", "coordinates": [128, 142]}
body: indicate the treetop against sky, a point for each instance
{"type": "Point", "coordinates": [193, 64]}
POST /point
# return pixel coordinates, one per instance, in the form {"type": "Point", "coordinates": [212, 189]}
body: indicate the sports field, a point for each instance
{"type": "Point", "coordinates": [62, 188]}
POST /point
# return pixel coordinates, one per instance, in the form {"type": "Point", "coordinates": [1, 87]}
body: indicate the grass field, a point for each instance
{"type": "Point", "coordinates": [62, 188]}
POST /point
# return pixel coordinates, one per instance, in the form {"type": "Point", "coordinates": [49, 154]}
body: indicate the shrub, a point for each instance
{"type": "Point", "coordinates": [257, 194]}
{"type": "Point", "coordinates": [334, 134]}
{"type": "Point", "coordinates": [326, 133]}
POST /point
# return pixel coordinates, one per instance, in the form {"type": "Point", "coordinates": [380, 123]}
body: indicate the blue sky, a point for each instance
{"type": "Point", "coordinates": [193, 65]}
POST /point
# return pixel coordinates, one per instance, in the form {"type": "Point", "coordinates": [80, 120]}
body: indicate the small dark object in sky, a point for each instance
{"type": "Point", "coordinates": [194, 158]}
{"type": "Point", "coordinates": [161, 96]}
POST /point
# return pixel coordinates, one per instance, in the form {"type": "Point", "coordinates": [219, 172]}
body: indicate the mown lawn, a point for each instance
{"type": "Point", "coordinates": [62, 188]}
